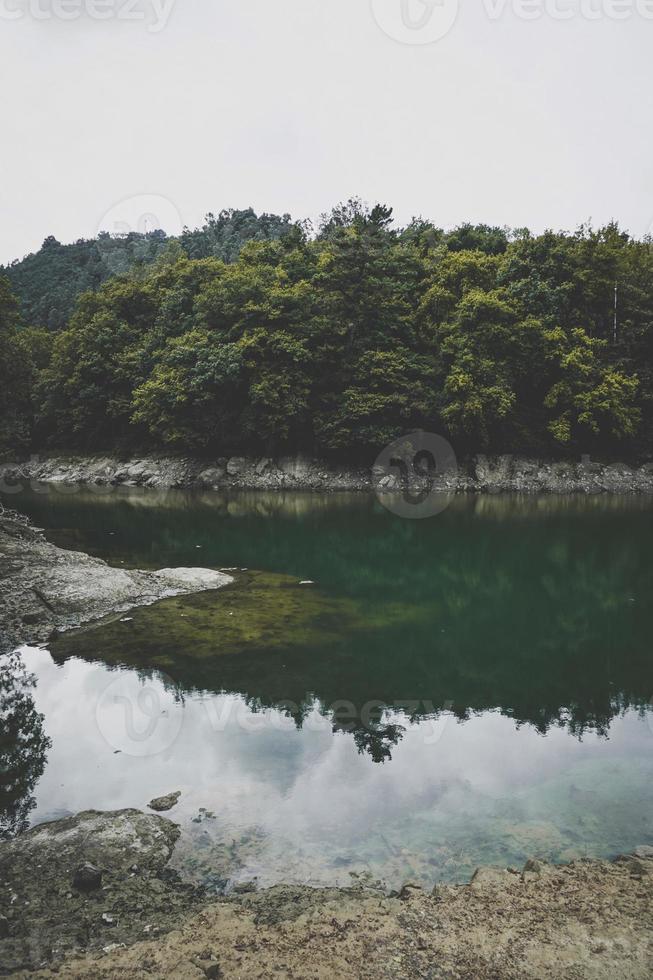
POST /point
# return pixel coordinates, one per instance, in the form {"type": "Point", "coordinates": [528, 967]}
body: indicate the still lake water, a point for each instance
{"type": "Point", "coordinates": [471, 689]}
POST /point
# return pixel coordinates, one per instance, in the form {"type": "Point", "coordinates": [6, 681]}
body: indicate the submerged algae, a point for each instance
{"type": "Point", "coordinates": [260, 611]}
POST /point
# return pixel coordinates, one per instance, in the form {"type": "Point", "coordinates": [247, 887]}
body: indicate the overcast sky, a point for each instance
{"type": "Point", "coordinates": [293, 105]}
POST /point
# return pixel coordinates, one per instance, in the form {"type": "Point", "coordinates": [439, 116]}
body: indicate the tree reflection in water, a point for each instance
{"type": "Point", "coordinates": [23, 745]}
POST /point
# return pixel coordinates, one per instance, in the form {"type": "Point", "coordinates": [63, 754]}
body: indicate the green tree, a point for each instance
{"type": "Point", "coordinates": [195, 394]}
{"type": "Point", "coordinates": [85, 394]}
{"type": "Point", "coordinates": [590, 399]}
{"type": "Point", "coordinates": [268, 338]}
{"type": "Point", "coordinates": [15, 376]}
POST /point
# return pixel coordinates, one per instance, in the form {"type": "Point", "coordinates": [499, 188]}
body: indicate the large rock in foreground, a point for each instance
{"type": "Point", "coordinates": [47, 911]}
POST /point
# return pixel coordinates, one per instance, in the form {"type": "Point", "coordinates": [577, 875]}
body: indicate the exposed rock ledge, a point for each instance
{"type": "Point", "coordinates": [590, 920]}
{"type": "Point", "coordinates": [43, 587]}
{"type": "Point", "coordinates": [481, 474]}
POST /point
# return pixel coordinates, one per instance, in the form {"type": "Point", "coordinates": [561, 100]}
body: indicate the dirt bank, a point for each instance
{"type": "Point", "coordinates": [43, 587]}
{"type": "Point", "coordinates": [480, 474]}
{"type": "Point", "coordinates": [589, 919]}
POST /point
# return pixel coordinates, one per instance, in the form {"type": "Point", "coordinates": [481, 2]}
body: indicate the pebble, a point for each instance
{"type": "Point", "coordinates": [162, 803]}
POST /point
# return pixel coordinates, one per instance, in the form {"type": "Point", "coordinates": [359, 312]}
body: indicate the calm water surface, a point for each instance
{"type": "Point", "coordinates": [465, 690]}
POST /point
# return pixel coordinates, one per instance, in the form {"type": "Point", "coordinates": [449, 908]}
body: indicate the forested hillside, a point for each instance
{"type": "Point", "coordinates": [48, 282]}
{"type": "Point", "coordinates": [336, 342]}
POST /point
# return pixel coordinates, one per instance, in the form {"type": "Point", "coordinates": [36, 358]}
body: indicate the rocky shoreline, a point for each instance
{"type": "Point", "coordinates": [44, 588]}
{"type": "Point", "coordinates": [130, 916]}
{"type": "Point", "coordinates": [480, 474]}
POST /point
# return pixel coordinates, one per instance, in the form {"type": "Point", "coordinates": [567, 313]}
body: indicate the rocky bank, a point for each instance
{"type": "Point", "coordinates": [588, 919]}
{"type": "Point", "coordinates": [43, 588]}
{"type": "Point", "coordinates": [480, 474]}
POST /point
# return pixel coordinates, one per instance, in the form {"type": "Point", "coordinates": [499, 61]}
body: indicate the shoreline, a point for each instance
{"type": "Point", "coordinates": [479, 475]}
{"type": "Point", "coordinates": [590, 918]}
{"type": "Point", "coordinates": [44, 588]}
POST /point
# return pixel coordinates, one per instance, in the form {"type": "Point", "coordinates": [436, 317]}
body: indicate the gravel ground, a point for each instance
{"type": "Point", "coordinates": [589, 919]}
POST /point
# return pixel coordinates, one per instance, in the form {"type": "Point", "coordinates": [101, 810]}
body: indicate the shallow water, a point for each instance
{"type": "Point", "coordinates": [469, 689]}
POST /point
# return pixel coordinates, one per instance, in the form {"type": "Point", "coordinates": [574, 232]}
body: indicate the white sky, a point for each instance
{"type": "Point", "coordinates": [293, 105]}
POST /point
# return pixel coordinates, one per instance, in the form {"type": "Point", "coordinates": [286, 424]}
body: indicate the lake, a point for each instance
{"type": "Point", "coordinates": [377, 697]}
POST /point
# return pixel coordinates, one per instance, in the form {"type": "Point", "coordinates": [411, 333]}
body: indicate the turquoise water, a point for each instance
{"type": "Point", "coordinates": [469, 689]}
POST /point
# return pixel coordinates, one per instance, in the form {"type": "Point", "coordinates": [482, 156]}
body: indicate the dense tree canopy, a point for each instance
{"type": "Point", "coordinates": [253, 334]}
{"type": "Point", "coordinates": [48, 282]}
{"type": "Point", "coordinates": [15, 375]}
